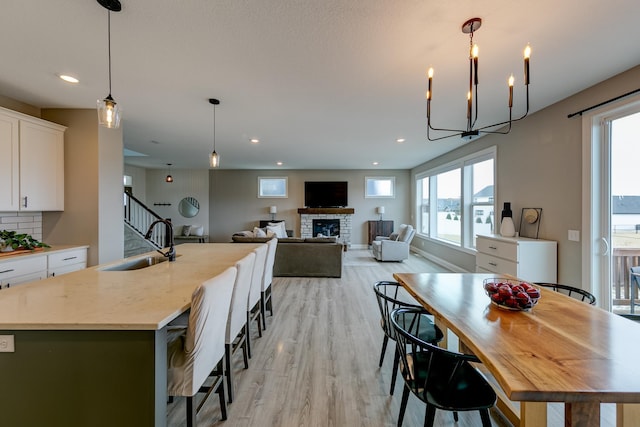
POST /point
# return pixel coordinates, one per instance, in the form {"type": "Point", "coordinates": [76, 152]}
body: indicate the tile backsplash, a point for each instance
{"type": "Point", "coordinates": [22, 222]}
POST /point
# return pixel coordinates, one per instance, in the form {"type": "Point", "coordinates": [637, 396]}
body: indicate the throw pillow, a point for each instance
{"type": "Point", "coordinates": [259, 232]}
{"type": "Point", "coordinates": [278, 228]}
{"type": "Point", "coordinates": [186, 230]}
{"type": "Point", "coordinates": [405, 233]}
{"type": "Point", "coordinates": [396, 235]}
{"type": "Point", "coordinates": [197, 230]}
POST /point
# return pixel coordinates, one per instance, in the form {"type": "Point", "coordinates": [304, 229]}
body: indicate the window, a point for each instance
{"type": "Point", "coordinates": [455, 202]}
{"type": "Point", "coordinates": [449, 211]}
{"type": "Point", "coordinates": [380, 187]}
{"type": "Point", "coordinates": [482, 200]}
{"type": "Point", "coordinates": [272, 187]}
{"type": "Point", "coordinates": [422, 197]}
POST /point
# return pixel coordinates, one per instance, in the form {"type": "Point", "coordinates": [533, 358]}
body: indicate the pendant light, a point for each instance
{"type": "Point", "coordinates": [169, 178]}
{"type": "Point", "coordinates": [214, 158]}
{"type": "Point", "coordinates": [109, 112]}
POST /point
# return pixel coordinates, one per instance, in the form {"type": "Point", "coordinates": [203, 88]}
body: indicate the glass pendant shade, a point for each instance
{"type": "Point", "coordinates": [169, 178]}
{"type": "Point", "coordinates": [109, 113]}
{"type": "Point", "coordinates": [214, 159]}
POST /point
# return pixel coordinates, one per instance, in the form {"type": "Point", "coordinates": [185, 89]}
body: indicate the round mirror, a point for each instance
{"type": "Point", "coordinates": [188, 207]}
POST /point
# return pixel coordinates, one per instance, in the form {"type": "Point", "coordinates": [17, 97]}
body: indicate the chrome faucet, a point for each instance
{"type": "Point", "coordinates": [171, 254]}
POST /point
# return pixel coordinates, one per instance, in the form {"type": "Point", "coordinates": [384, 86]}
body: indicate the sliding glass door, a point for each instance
{"type": "Point", "coordinates": [611, 221]}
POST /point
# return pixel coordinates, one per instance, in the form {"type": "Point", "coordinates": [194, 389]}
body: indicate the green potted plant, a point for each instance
{"type": "Point", "coordinates": [11, 241]}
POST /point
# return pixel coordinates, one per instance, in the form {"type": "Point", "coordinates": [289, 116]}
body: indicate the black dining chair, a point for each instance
{"type": "Point", "coordinates": [571, 291]}
{"type": "Point", "coordinates": [442, 379]}
{"type": "Point", "coordinates": [391, 295]}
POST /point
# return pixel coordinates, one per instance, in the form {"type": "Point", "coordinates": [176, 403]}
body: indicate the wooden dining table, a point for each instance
{"type": "Point", "coordinates": [561, 350]}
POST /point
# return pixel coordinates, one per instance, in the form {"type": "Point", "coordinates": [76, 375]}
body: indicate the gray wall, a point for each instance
{"type": "Point", "coordinates": [93, 213]}
{"type": "Point", "coordinates": [539, 164]}
{"type": "Point", "coordinates": [235, 206]}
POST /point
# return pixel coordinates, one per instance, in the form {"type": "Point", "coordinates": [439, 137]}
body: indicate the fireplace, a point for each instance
{"type": "Point", "coordinates": [326, 227]}
{"type": "Point", "coordinates": [339, 216]}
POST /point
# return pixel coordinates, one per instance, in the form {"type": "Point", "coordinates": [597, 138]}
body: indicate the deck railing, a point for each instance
{"type": "Point", "coordinates": [623, 260]}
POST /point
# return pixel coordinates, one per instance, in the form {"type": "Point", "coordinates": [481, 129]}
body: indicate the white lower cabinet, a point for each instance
{"type": "Point", "coordinates": [534, 260]}
{"type": "Point", "coordinates": [66, 262]}
{"type": "Point", "coordinates": [20, 271]}
{"type": "Point", "coordinates": [29, 268]}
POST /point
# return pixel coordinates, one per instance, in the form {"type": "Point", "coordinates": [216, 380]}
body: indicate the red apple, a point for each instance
{"type": "Point", "coordinates": [505, 291]}
{"type": "Point", "coordinates": [511, 302]}
{"type": "Point", "coordinates": [533, 293]}
{"type": "Point", "coordinates": [491, 287]}
{"type": "Point", "coordinates": [517, 288]}
{"type": "Point", "coordinates": [496, 298]}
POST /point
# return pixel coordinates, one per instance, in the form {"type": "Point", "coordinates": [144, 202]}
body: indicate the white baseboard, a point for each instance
{"type": "Point", "coordinates": [441, 262]}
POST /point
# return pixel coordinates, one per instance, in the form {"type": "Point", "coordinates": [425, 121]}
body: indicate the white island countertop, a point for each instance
{"type": "Point", "coordinates": [94, 299]}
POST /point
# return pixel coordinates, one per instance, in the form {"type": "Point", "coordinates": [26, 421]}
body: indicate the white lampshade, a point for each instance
{"type": "Point", "coordinates": [273, 209]}
{"type": "Point", "coordinates": [380, 209]}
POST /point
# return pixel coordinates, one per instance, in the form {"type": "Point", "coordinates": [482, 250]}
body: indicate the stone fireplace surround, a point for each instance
{"type": "Point", "coordinates": [307, 215]}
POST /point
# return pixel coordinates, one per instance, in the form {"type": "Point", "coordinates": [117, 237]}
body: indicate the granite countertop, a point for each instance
{"type": "Point", "coordinates": [94, 299]}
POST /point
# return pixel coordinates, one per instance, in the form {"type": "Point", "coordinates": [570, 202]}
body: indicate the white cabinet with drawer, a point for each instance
{"type": "Point", "coordinates": [40, 265]}
{"type": "Point", "coordinates": [528, 259]}
{"type": "Point", "coordinates": [66, 261]}
{"type": "Point", "coordinates": [23, 270]}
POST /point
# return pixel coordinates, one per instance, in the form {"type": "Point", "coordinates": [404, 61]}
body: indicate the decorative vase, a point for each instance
{"type": "Point", "coordinates": [507, 228]}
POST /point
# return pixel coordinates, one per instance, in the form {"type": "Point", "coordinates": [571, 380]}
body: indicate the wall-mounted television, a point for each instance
{"type": "Point", "coordinates": [325, 194]}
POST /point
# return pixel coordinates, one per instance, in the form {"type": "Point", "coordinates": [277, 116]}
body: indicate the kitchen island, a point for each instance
{"type": "Point", "coordinates": [90, 346]}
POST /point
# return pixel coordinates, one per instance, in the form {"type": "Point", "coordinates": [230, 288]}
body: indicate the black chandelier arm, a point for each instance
{"type": "Point", "coordinates": [476, 102]}
{"type": "Point", "coordinates": [458, 133]}
{"type": "Point", "coordinates": [443, 129]}
{"type": "Point", "coordinates": [438, 129]}
{"type": "Point", "coordinates": [511, 120]}
{"type": "Point", "coordinates": [500, 132]}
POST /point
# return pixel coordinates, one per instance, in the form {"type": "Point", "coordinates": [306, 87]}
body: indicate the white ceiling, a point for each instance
{"type": "Point", "coordinates": [323, 84]}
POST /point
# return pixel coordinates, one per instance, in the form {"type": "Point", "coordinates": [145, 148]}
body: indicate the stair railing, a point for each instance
{"type": "Point", "coordinates": [139, 217]}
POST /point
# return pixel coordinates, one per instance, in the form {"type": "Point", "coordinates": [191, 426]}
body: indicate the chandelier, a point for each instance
{"type": "Point", "coordinates": [470, 27]}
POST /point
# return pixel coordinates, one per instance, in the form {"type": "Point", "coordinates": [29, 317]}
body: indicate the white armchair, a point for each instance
{"type": "Point", "coordinates": [396, 246]}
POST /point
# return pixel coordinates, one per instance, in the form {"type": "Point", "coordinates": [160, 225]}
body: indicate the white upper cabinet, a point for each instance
{"type": "Point", "coordinates": [9, 160]}
{"type": "Point", "coordinates": [34, 164]}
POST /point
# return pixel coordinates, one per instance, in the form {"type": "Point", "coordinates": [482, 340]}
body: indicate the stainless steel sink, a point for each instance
{"type": "Point", "coordinates": [136, 264]}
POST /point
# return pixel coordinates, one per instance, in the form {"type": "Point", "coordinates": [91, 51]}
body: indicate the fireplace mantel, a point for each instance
{"type": "Point", "coordinates": [326, 211]}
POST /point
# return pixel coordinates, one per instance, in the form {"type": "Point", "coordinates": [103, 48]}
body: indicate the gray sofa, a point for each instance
{"type": "Point", "coordinates": [295, 257]}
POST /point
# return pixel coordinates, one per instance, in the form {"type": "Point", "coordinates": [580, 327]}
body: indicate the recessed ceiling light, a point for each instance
{"type": "Point", "coordinates": [279, 163]}
{"type": "Point", "coordinates": [68, 79]}
{"type": "Point", "coordinates": [400, 140]}
{"type": "Point", "coordinates": [254, 140]}
{"type": "Point", "coordinates": [375, 163]}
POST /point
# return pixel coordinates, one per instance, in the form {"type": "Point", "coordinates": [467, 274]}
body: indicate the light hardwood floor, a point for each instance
{"type": "Point", "coordinates": [317, 362]}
